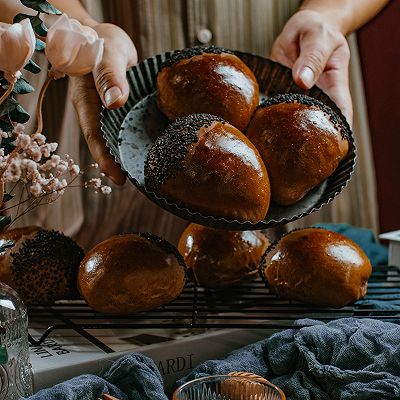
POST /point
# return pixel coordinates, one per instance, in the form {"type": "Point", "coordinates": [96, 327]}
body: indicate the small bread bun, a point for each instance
{"type": "Point", "coordinates": [130, 273]}
{"type": "Point", "coordinates": [207, 165]}
{"type": "Point", "coordinates": [42, 266]}
{"type": "Point", "coordinates": [207, 80]}
{"type": "Point", "coordinates": [220, 258]}
{"type": "Point", "coordinates": [301, 142]}
{"type": "Point", "coordinates": [317, 266]}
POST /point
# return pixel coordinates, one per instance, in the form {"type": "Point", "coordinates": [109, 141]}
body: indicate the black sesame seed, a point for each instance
{"type": "Point", "coordinates": [163, 245]}
{"type": "Point", "coordinates": [43, 266]}
{"type": "Point", "coordinates": [169, 149]}
{"type": "Point", "coordinates": [191, 52]}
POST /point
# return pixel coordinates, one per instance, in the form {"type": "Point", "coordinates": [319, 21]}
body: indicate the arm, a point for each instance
{"type": "Point", "coordinates": [346, 15]}
{"type": "Point", "coordinates": [313, 44]}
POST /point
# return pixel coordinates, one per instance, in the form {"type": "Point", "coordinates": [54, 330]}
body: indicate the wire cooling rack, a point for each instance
{"type": "Point", "coordinates": [246, 306]}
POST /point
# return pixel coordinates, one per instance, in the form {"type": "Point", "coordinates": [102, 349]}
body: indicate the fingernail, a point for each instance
{"type": "Point", "coordinates": [112, 95]}
{"type": "Point", "coordinates": [307, 76]}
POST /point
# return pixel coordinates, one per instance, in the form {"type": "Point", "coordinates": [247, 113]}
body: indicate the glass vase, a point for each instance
{"type": "Point", "coordinates": [15, 367]}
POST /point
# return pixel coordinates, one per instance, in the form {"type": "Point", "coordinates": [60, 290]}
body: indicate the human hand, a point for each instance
{"type": "Point", "coordinates": [318, 54]}
{"type": "Point", "coordinates": [107, 85]}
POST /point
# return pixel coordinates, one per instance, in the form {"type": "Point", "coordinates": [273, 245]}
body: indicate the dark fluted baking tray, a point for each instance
{"type": "Point", "coordinates": [130, 131]}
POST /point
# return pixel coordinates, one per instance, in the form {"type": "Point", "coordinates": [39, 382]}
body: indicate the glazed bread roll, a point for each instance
{"type": "Point", "coordinates": [130, 273]}
{"type": "Point", "coordinates": [317, 266]}
{"type": "Point", "coordinates": [219, 258]}
{"type": "Point", "coordinates": [207, 165]}
{"type": "Point", "coordinates": [301, 141]}
{"type": "Point", "coordinates": [207, 80]}
{"type": "Point", "coordinates": [42, 266]}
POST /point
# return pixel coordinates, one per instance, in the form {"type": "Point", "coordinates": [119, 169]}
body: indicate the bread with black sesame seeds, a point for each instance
{"type": "Point", "coordinates": [130, 273]}
{"type": "Point", "coordinates": [207, 165]}
{"type": "Point", "coordinates": [219, 258]}
{"type": "Point", "coordinates": [207, 80]}
{"type": "Point", "coordinates": [317, 266]}
{"type": "Point", "coordinates": [42, 266]}
{"type": "Point", "coordinates": [301, 141]}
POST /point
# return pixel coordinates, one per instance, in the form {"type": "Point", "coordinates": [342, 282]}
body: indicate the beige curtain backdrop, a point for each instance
{"type": "Point", "coordinates": [157, 26]}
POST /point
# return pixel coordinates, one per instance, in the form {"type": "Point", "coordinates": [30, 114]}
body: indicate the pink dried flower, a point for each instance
{"type": "Point", "coordinates": [23, 141]}
{"type": "Point", "coordinates": [74, 170]}
{"type": "Point", "coordinates": [35, 189]}
{"type": "Point", "coordinates": [61, 169]}
{"type": "Point", "coordinates": [95, 183]}
{"type": "Point", "coordinates": [40, 139]}
{"type": "Point", "coordinates": [18, 129]}
{"type": "Point", "coordinates": [13, 172]}
{"type": "Point", "coordinates": [106, 190]}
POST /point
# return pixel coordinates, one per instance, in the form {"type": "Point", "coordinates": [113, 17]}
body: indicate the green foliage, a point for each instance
{"type": "Point", "coordinates": [20, 87]}
{"type": "Point", "coordinates": [32, 67]}
{"type": "Point", "coordinates": [7, 147]}
{"type": "Point", "coordinates": [7, 197]}
{"type": "Point", "coordinates": [40, 45]}
{"type": "Point", "coordinates": [20, 17]}
{"type": "Point", "coordinates": [4, 245]}
{"type": "Point", "coordinates": [3, 350]}
{"type": "Point", "coordinates": [41, 6]}
{"type": "Point", "coordinates": [38, 26]}
{"type": "Point", "coordinates": [18, 114]}
{"type": "Point", "coordinates": [4, 221]}
{"type": "Point", "coordinates": [5, 126]}
{"type": "Point", "coordinates": [7, 106]}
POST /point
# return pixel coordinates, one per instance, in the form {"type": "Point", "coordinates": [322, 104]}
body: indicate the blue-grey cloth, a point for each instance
{"type": "Point", "coordinates": [132, 377]}
{"type": "Point", "coordinates": [342, 360]}
{"type": "Point", "coordinates": [365, 238]}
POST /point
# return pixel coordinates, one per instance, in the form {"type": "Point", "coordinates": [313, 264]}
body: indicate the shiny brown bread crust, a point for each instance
{"type": "Point", "coordinates": [130, 273]}
{"type": "Point", "coordinates": [42, 266]}
{"type": "Point", "coordinates": [301, 146]}
{"type": "Point", "coordinates": [217, 172]}
{"type": "Point", "coordinates": [220, 258]}
{"type": "Point", "coordinates": [220, 84]}
{"type": "Point", "coordinates": [317, 266]}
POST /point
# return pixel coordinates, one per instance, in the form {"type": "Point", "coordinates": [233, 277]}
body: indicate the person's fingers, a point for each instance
{"type": "Point", "coordinates": [285, 50]}
{"type": "Point", "coordinates": [315, 49]}
{"type": "Point", "coordinates": [110, 74]}
{"type": "Point", "coordinates": [335, 80]}
{"type": "Point", "coordinates": [88, 107]}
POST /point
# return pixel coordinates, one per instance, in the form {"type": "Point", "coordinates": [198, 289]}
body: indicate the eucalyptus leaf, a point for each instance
{"type": "Point", "coordinates": [4, 221]}
{"type": "Point", "coordinates": [3, 355]}
{"type": "Point", "coordinates": [19, 114]}
{"type": "Point", "coordinates": [4, 245]}
{"type": "Point", "coordinates": [7, 197]}
{"type": "Point", "coordinates": [19, 17]}
{"type": "Point", "coordinates": [41, 6]}
{"type": "Point", "coordinates": [20, 87]}
{"type": "Point", "coordinates": [40, 45]}
{"type": "Point", "coordinates": [5, 126]}
{"type": "Point", "coordinates": [7, 106]}
{"type": "Point", "coordinates": [8, 148]}
{"type": "Point", "coordinates": [8, 140]}
{"type": "Point", "coordinates": [32, 67]}
{"type": "Point", "coordinates": [38, 26]}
